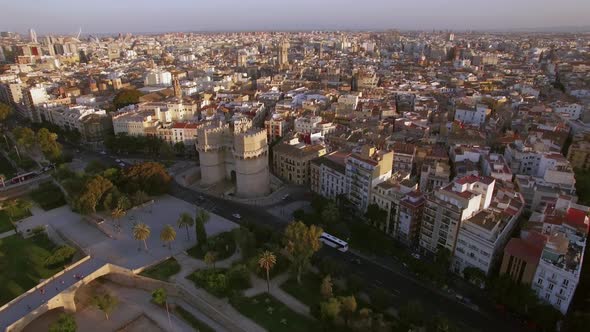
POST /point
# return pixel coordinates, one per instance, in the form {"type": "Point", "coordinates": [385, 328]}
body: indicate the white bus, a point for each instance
{"type": "Point", "coordinates": [334, 242]}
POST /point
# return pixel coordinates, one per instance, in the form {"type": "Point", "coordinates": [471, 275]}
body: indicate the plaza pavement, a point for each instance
{"type": "Point", "coordinates": [104, 242]}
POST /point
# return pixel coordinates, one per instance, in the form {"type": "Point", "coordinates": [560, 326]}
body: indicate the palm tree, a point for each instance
{"type": "Point", "coordinates": [185, 220]}
{"type": "Point", "coordinates": [266, 261]}
{"type": "Point", "coordinates": [201, 219]}
{"type": "Point", "coordinates": [116, 214]}
{"type": "Point", "coordinates": [141, 232]}
{"type": "Point", "coordinates": [168, 235]}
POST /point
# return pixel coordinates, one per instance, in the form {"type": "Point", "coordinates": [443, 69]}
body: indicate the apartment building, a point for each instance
{"type": "Point", "coordinates": [579, 152]}
{"type": "Point", "coordinates": [93, 124]}
{"type": "Point", "coordinates": [521, 257]}
{"type": "Point", "coordinates": [565, 226]}
{"type": "Point", "coordinates": [365, 169]}
{"type": "Point", "coordinates": [434, 174]}
{"type": "Point", "coordinates": [495, 166]}
{"type": "Point", "coordinates": [472, 115]}
{"type": "Point", "coordinates": [390, 196]}
{"type": "Point", "coordinates": [403, 157]}
{"type": "Point", "coordinates": [328, 175]}
{"type": "Point", "coordinates": [291, 160]}
{"type": "Point", "coordinates": [447, 207]}
{"type": "Point", "coordinates": [276, 127]}
{"type": "Point", "coordinates": [482, 238]}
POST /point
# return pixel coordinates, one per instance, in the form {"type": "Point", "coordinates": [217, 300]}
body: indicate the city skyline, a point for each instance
{"type": "Point", "coordinates": [149, 16]}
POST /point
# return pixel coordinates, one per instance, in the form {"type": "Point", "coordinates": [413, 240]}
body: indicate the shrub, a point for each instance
{"type": "Point", "coordinates": [238, 277]}
{"type": "Point", "coordinates": [60, 256]}
{"type": "Point", "coordinates": [48, 196]}
{"type": "Point", "coordinates": [212, 280]}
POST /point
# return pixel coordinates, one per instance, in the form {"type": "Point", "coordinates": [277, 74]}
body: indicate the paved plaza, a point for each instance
{"type": "Point", "coordinates": [118, 247]}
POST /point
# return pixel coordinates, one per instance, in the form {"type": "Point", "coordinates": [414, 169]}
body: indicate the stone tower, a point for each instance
{"type": "Point", "coordinates": [235, 151]}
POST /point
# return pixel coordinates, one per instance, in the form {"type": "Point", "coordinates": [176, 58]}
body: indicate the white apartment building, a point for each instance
{"type": "Point", "coordinates": [134, 122]}
{"type": "Point", "coordinates": [92, 123]}
{"type": "Point", "coordinates": [474, 116]}
{"type": "Point", "coordinates": [348, 101]}
{"type": "Point", "coordinates": [365, 170]}
{"type": "Point", "coordinates": [566, 110]}
{"type": "Point", "coordinates": [328, 175]}
{"type": "Point", "coordinates": [447, 208]}
{"type": "Point", "coordinates": [157, 77]}
{"type": "Point", "coordinates": [482, 238]}
{"type": "Point", "coordinates": [495, 166]}
{"type": "Point", "coordinates": [307, 124]}
{"type": "Point", "coordinates": [560, 265]}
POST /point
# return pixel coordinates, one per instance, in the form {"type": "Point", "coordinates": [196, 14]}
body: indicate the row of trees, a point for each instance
{"type": "Point", "coordinates": [152, 145]}
{"type": "Point", "coordinates": [113, 189]}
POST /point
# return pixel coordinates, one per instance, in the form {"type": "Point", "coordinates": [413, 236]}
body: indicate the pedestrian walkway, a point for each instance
{"type": "Point", "coordinates": [259, 286]}
{"type": "Point", "coordinates": [7, 234]}
{"type": "Point", "coordinates": [189, 265]}
{"type": "Point", "coordinates": [40, 295]}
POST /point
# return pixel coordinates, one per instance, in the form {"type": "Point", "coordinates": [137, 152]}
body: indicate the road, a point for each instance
{"type": "Point", "coordinates": [400, 284]}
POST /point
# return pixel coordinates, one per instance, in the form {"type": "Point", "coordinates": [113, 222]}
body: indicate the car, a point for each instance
{"type": "Point", "coordinates": [103, 152]}
{"type": "Point", "coordinates": [118, 161]}
{"type": "Point", "coordinates": [416, 255]}
{"type": "Point", "coordinates": [237, 216]}
{"type": "Point", "coordinates": [122, 165]}
{"type": "Point", "coordinates": [285, 197]}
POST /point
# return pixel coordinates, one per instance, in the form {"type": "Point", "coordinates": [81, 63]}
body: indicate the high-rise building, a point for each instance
{"type": "Point", "coordinates": [283, 55]}
{"type": "Point", "coordinates": [364, 170]}
{"type": "Point", "coordinates": [33, 36]}
{"type": "Point", "coordinates": [446, 209]}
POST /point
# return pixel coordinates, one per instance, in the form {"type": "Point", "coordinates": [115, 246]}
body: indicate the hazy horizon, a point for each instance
{"type": "Point", "coordinates": [150, 16]}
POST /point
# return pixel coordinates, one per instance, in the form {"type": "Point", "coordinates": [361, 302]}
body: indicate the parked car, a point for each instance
{"type": "Point", "coordinates": [237, 216]}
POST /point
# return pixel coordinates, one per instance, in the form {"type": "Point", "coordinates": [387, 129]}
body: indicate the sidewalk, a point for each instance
{"type": "Point", "coordinates": [259, 286]}
{"type": "Point", "coordinates": [7, 234]}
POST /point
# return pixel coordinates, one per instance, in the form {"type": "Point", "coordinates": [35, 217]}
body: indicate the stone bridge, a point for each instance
{"type": "Point", "coordinates": [56, 292]}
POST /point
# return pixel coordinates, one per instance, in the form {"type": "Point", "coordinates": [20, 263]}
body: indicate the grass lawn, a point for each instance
{"type": "Point", "coordinates": [192, 320]}
{"type": "Point", "coordinates": [273, 315]}
{"type": "Point", "coordinates": [163, 271]}
{"type": "Point", "coordinates": [5, 224]}
{"type": "Point", "coordinates": [22, 264]}
{"type": "Point", "coordinates": [309, 290]}
{"type": "Point", "coordinates": [6, 168]}
{"type": "Point", "coordinates": [223, 244]}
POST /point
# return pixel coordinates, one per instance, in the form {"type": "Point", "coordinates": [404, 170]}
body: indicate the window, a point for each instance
{"type": "Point", "coordinates": [566, 282]}
{"type": "Point", "coordinates": [540, 281]}
{"type": "Point", "coordinates": [558, 301]}
{"type": "Point", "coordinates": [550, 286]}
{"type": "Point", "coordinates": [547, 296]}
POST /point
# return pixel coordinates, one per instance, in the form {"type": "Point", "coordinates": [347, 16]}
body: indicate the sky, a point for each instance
{"type": "Point", "coordinates": [112, 16]}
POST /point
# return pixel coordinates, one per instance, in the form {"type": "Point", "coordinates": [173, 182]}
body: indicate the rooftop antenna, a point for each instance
{"type": "Point", "coordinates": [79, 33]}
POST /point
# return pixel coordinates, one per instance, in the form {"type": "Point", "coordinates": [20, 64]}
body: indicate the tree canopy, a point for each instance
{"type": "Point", "coordinates": [5, 111]}
{"type": "Point", "coordinates": [150, 177]}
{"type": "Point", "coordinates": [301, 242]}
{"type": "Point", "coordinates": [126, 97]}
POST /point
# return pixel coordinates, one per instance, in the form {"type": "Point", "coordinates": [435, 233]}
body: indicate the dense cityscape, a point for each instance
{"type": "Point", "coordinates": [295, 181]}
